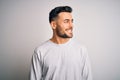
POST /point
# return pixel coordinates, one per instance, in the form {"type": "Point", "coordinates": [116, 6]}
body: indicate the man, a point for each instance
{"type": "Point", "coordinates": [60, 58]}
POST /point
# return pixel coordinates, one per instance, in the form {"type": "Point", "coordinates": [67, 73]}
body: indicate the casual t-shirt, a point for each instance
{"type": "Point", "coordinates": [67, 61]}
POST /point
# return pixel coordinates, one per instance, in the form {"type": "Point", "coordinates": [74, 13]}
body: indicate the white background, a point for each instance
{"type": "Point", "coordinates": [24, 25]}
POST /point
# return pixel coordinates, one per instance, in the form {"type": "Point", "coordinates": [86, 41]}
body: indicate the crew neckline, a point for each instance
{"type": "Point", "coordinates": [60, 44]}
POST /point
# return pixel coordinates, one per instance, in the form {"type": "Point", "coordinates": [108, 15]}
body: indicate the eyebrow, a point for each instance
{"type": "Point", "coordinates": [68, 20]}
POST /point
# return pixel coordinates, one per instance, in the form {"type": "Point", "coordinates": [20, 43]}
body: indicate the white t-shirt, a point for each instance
{"type": "Point", "coordinates": [67, 61]}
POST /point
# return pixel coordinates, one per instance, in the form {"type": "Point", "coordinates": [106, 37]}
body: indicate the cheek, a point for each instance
{"type": "Point", "coordinates": [64, 26]}
{"type": "Point", "coordinates": [61, 27]}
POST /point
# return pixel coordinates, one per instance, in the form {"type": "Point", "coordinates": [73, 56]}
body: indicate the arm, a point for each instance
{"type": "Point", "coordinates": [87, 74]}
{"type": "Point", "coordinates": [36, 67]}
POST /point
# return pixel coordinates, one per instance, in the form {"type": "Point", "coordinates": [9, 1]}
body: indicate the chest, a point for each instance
{"type": "Point", "coordinates": [59, 56]}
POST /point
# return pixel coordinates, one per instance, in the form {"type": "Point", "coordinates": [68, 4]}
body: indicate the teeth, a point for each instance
{"type": "Point", "coordinates": [69, 30]}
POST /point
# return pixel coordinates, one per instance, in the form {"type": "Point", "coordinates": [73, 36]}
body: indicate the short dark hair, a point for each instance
{"type": "Point", "coordinates": [54, 12]}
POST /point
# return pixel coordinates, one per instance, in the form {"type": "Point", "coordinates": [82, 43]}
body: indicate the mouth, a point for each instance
{"type": "Point", "coordinates": [69, 30]}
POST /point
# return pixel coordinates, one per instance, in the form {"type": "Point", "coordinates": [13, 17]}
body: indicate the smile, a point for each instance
{"type": "Point", "coordinates": [69, 30]}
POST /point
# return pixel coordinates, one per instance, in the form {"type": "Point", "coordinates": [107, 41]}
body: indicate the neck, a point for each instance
{"type": "Point", "coordinates": [59, 40]}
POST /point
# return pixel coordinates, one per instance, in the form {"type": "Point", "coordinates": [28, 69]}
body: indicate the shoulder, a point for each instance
{"type": "Point", "coordinates": [42, 45]}
{"type": "Point", "coordinates": [79, 45]}
{"type": "Point", "coordinates": [41, 48]}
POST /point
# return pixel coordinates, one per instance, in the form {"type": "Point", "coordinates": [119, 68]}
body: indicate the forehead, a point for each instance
{"type": "Point", "coordinates": [65, 15]}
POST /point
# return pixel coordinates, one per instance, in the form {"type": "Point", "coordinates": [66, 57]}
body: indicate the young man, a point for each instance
{"type": "Point", "coordinates": [60, 58]}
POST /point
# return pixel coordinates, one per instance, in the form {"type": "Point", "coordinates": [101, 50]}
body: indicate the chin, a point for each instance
{"type": "Point", "coordinates": [70, 36]}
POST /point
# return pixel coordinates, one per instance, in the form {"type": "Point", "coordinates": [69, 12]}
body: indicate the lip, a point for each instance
{"type": "Point", "coordinates": [69, 30]}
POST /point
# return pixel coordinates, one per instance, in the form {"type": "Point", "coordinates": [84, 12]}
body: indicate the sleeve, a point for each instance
{"type": "Point", "coordinates": [86, 72]}
{"type": "Point", "coordinates": [36, 67]}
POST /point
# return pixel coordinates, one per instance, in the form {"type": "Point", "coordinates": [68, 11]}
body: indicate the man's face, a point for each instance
{"type": "Point", "coordinates": [64, 25]}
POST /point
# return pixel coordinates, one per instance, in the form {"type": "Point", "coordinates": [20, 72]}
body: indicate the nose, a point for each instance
{"type": "Point", "coordinates": [71, 24]}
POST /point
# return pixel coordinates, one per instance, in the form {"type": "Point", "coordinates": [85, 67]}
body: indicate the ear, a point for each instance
{"type": "Point", "coordinates": [53, 24]}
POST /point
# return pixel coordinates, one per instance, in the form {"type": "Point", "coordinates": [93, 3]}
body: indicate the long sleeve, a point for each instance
{"type": "Point", "coordinates": [67, 61]}
{"type": "Point", "coordinates": [36, 67]}
{"type": "Point", "coordinates": [87, 74]}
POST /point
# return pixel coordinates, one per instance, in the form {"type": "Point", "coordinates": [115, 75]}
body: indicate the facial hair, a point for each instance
{"type": "Point", "coordinates": [61, 34]}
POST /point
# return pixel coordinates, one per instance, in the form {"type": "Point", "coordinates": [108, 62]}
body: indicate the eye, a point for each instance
{"type": "Point", "coordinates": [72, 20]}
{"type": "Point", "coordinates": [66, 21]}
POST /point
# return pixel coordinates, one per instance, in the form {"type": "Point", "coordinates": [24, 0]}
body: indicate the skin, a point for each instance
{"type": "Point", "coordinates": [62, 28]}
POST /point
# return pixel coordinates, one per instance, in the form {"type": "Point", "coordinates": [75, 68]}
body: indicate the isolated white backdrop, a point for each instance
{"type": "Point", "coordinates": [24, 25]}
